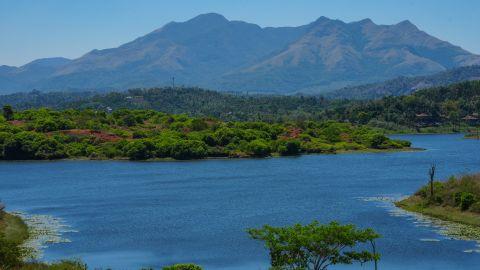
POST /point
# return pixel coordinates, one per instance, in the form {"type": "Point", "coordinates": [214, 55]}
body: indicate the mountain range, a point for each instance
{"type": "Point", "coordinates": [212, 52]}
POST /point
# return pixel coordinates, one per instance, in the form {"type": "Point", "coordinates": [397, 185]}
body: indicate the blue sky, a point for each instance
{"type": "Point", "coordinates": [31, 29]}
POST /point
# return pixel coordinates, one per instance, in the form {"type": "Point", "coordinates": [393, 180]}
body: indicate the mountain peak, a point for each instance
{"type": "Point", "coordinates": [322, 19]}
{"type": "Point", "coordinates": [406, 24]}
{"type": "Point", "coordinates": [209, 18]}
{"type": "Point", "coordinates": [365, 21]}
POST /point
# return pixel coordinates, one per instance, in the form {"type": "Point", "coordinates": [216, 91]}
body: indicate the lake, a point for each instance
{"type": "Point", "coordinates": [128, 215]}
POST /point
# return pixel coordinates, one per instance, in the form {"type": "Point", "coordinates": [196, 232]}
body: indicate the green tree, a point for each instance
{"type": "Point", "coordinates": [315, 246]}
{"type": "Point", "coordinates": [8, 112]}
{"type": "Point", "coordinates": [139, 149]}
{"type": "Point", "coordinates": [377, 140]}
{"type": "Point", "coordinates": [31, 145]}
{"type": "Point", "coordinates": [188, 149]}
{"type": "Point", "coordinates": [289, 147]}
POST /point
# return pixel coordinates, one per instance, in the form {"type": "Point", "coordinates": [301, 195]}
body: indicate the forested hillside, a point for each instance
{"type": "Point", "coordinates": [445, 106]}
{"type": "Point", "coordinates": [454, 105]}
{"type": "Point", "coordinates": [192, 101]}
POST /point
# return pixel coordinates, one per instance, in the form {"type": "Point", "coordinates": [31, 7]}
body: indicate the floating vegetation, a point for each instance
{"type": "Point", "coordinates": [448, 229]}
{"type": "Point", "coordinates": [44, 230]}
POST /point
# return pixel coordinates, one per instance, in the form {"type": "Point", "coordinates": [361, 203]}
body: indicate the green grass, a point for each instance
{"type": "Point", "coordinates": [417, 205]}
{"type": "Point", "coordinates": [14, 228]}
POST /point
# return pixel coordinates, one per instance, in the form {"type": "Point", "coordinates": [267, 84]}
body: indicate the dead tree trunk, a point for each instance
{"type": "Point", "coordinates": [431, 173]}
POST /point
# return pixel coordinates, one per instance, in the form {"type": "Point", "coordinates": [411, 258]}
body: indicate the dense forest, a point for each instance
{"type": "Point", "coordinates": [145, 134]}
{"type": "Point", "coordinates": [449, 107]}
{"type": "Point", "coordinates": [192, 101]}
{"type": "Point", "coordinates": [454, 105]}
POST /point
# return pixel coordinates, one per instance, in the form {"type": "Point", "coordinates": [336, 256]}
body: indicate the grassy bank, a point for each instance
{"type": "Point", "coordinates": [13, 228]}
{"type": "Point", "coordinates": [456, 200]}
{"type": "Point", "coordinates": [13, 233]}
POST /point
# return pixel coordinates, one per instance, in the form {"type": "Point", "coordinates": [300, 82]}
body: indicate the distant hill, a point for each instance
{"type": "Point", "coordinates": [450, 106]}
{"type": "Point", "coordinates": [445, 105]}
{"type": "Point", "coordinates": [406, 85]}
{"type": "Point", "coordinates": [191, 101]}
{"type": "Point", "coordinates": [212, 52]}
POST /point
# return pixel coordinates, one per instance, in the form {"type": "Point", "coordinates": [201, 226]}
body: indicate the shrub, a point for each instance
{"type": "Point", "coordinates": [259, 148]}
{"type": "Point", "coordinates": [464, 200]}
{"type": "Point", "coordinates": [139, 150]}
{"type": "Point", "coordinates": [288, 147]}
{"type": "Point", "coordinates": [377, 141]}
{"type": "Point", "coordinates": [183, 266]}
{"type": "Point", "coordinates": [10, 253]}
{"type": "Point", "coordinates": [188, 149]}
{"type": "Point", "coordinates": [318, 147]}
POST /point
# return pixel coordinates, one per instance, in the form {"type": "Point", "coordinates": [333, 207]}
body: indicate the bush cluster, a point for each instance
{"type": "Point", "coordinates": [459, 192]}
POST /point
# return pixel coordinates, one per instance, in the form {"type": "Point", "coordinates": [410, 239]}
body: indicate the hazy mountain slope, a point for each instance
{"type": "Point", "coordinates": [13, 78]}
{"type": "Point", "coordinates": [334, 54]}
{"type": "Point", "coordinates": [196, 52]}
{"type": "Point", "coordinates": [211, 51]}
{"type": "Point", "coordinates": [406, 85]}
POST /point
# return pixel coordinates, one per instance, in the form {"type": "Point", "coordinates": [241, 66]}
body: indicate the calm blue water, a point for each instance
{"type": "Point", "coordinates": [134, 214]}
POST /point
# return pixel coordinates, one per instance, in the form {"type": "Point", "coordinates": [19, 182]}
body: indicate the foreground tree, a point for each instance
{"type": "Point", "coordinates": [315, 246]}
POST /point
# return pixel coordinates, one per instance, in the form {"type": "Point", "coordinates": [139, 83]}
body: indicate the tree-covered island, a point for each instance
{"type": "Point", "coordinates": [42, 134]}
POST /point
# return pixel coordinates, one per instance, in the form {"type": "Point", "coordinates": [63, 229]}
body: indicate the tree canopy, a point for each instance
{"type": "Point", "coordinates": [315, 246]}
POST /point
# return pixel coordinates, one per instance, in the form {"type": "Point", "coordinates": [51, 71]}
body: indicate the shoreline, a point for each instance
{"type": "Point", "coordinates": [14, 228]}
{"type": "Point", "coordinates": [273, 155]}
{"type": "Point", "coordinates": [34, 232]}
{"type": "Point", "coordinates": [414, 204]}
